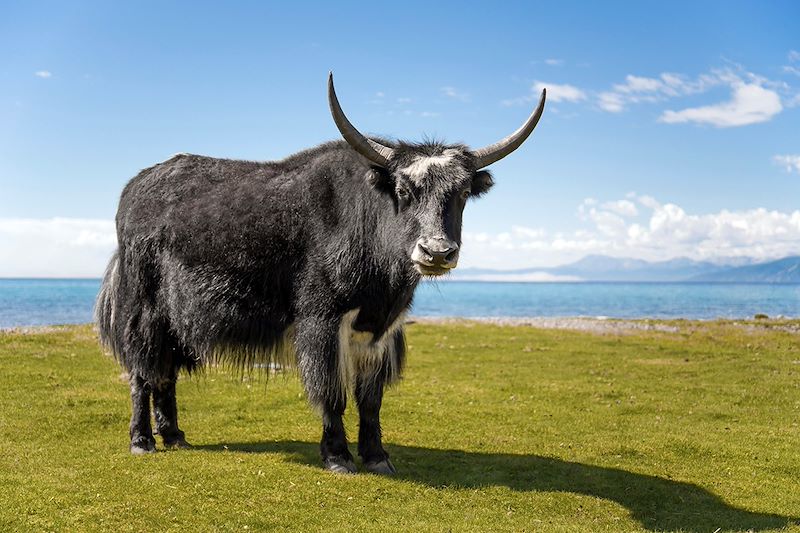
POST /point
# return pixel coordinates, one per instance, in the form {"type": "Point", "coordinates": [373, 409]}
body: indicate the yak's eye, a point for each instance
{"type": "Point", "coordinates": [405, 194]}
{"type": "Point", "coordinates": [465, 194]}
{"type": "Point", "coordinates": [403, 198]}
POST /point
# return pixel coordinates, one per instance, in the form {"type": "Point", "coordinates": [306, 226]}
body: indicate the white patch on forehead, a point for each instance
{"type": "Point", "coordinates": [417, 170]}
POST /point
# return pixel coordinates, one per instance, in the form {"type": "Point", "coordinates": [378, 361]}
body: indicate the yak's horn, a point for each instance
{"type": "Point", "coordinates": [497, 151]}
{"type": "Point", "coordinates": [374, 151]}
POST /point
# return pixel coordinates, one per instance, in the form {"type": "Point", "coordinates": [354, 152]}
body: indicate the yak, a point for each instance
{"type": "Point", "coordinates": [312, 261]}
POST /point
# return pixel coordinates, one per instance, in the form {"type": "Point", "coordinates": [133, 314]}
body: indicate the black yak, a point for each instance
{"type": "Point", "coordinates": [311, 260]}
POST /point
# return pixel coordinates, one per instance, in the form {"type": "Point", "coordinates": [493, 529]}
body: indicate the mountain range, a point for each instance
{"type": "Point", "coordinates": [606, 268]}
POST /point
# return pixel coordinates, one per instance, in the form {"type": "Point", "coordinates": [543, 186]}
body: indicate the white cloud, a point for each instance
{"type": "Point", "coordinates": [606, 221]}
{"type": "Point", "coordinates": [559, 92]}
{"type": "Point", "coordinates": [793, 56]}
{"type": "Point", "coordinates": [658, 231]}
{"type": "Point", "coordinates": [553, 62]}
{"type": "Point", "coordinates": [640, 89]}
{"type": "Point", "coordinates": [638, 84]}
{"type": "Point", "coordinates": [56, 247]}
{"type": "Point", "coordinates": [790, 162]}
{"type": "Point", "coordinates": [455, 94]}
{"type": "Point", "coordinates": [790, 69]}
{"type": "Point", "coordinates": [624, 208]}
{"type": "Point", "coordinates": [43, 74]}
{"type": "Point", "coordinates": [531, 233]}
{"type": "Point", "coordinates": [556, 92]}
{"type": "Point", "coordinates": [649, 202]}
{"type": "Point", "coordinates": [611, 102]}
{"type": "Point", "coordinates": [755, 233]}
{"type": "Point", "coordinates": [749, 104]}
{"type": "Point", "coordinates": [753, 98]}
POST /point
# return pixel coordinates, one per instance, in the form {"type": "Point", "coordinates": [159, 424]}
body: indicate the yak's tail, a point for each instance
{"type": "Point", "coordinates": [105, 306]}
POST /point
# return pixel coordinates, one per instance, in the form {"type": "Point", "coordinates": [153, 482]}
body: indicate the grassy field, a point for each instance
{"type": "Point", "coordinates": [493, 428]}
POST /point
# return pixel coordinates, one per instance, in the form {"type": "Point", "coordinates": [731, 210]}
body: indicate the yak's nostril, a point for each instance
{"type": "Point", "coordinates": [451, 254]}
{"type": "Point", "coordinates": [426, 250]}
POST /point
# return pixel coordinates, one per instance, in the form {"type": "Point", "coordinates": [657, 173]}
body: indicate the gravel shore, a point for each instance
{"type": "Point", "coordinates": [594, 325]}
{"type": "Point", "coordinates": [600, 325]}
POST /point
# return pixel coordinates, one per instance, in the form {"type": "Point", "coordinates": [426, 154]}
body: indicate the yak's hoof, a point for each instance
{"type": "Point", "coordinates": [179, 444]}
{"type": "Point", "coordinates": [340, 465]}
{"type": "Point", "coordinates": [143, 445]}
{"type": "Point", "coordinates": [384, 468]}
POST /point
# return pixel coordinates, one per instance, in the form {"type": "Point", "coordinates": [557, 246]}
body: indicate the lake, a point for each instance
{"type": "Point", "coordinates": [29, 302]}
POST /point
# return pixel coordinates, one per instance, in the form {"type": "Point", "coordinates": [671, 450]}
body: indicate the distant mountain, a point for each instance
{"type": "Point", "coordinates": [605, 268]}
{"type": "Point", "coordinates": [786, 270]}
{"type": "Point", "coordinates": [522, 275]}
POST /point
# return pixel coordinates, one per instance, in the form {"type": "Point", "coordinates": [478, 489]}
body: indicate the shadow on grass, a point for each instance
{"type": "Point", "coordinates": [659, 504]}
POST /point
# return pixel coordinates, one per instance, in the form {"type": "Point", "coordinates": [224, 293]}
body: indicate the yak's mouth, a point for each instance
{"type": "Point", "coordinates": [430, 270]}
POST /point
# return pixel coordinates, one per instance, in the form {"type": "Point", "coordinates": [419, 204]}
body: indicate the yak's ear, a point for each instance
{"type": "Point", "coordinates": [379, 179]}
{"type": "Point", "coordinates": [481, 183]}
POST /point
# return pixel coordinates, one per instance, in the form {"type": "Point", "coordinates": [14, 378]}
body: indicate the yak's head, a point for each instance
{"type": "Point", "coordinates": [430, 184]}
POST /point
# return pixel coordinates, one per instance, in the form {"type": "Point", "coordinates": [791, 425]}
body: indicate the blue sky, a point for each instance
{"type": "Point", "coordinates": [672, 128]}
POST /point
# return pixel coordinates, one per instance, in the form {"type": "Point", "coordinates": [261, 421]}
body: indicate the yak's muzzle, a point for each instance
{"type": "Point", "coordinates": [434, 257]}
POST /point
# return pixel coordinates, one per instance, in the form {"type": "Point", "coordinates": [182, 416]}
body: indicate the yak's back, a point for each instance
{"type": "Point", "coordinates": [206, 210]}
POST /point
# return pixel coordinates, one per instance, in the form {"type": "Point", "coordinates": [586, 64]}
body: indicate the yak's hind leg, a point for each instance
{"type": "Point", "coordinates": [166, 414]}
{"type": "Point", "coordinates": [142, 440]}
{"type": "Point", "coordinates": [172, 357]}
{"type": "Point", "coordinates": [166, 357]}
{"type": "Point", "coordinates": [370, 384]}
{"type": "Point", "coordinates": [166, 410]}
{"type": "Point", "coordinates": [317, 343]}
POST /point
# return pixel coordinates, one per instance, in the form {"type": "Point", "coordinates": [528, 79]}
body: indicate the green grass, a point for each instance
{"type": "Point", "coordinates": [493, 428]}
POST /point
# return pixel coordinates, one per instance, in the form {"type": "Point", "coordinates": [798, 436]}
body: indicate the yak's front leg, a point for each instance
{"type": "Point", "coordinates": [317, 343]}
{"type": "Point", "coordinates": [369, 395]}
{"type": "Point", "coordinates": [370, 384]}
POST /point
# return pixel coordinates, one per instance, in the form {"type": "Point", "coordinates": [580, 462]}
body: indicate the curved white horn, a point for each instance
{"type": "Point", "coordinates": [497, 151]}
{"type": "Point", "coordinates": [374, 151]}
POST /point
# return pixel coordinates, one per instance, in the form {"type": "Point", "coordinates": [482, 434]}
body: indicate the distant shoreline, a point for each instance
{"type": "Point", "coordinates": [449, 279]}
{"type": "Point", "coordinates": [606, 325]}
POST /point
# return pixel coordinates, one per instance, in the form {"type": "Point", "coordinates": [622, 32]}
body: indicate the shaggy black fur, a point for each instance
{"type": "Point", "coordinates": [243, 262]}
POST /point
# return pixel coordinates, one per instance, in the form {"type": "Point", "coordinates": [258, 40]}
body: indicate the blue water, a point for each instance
{"type": "Point", "coordinates": [616, 300]}
{"type": "Point", "coordinates": [35, 302]}
{"type": "Point", "coordinates": [30, 302]}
